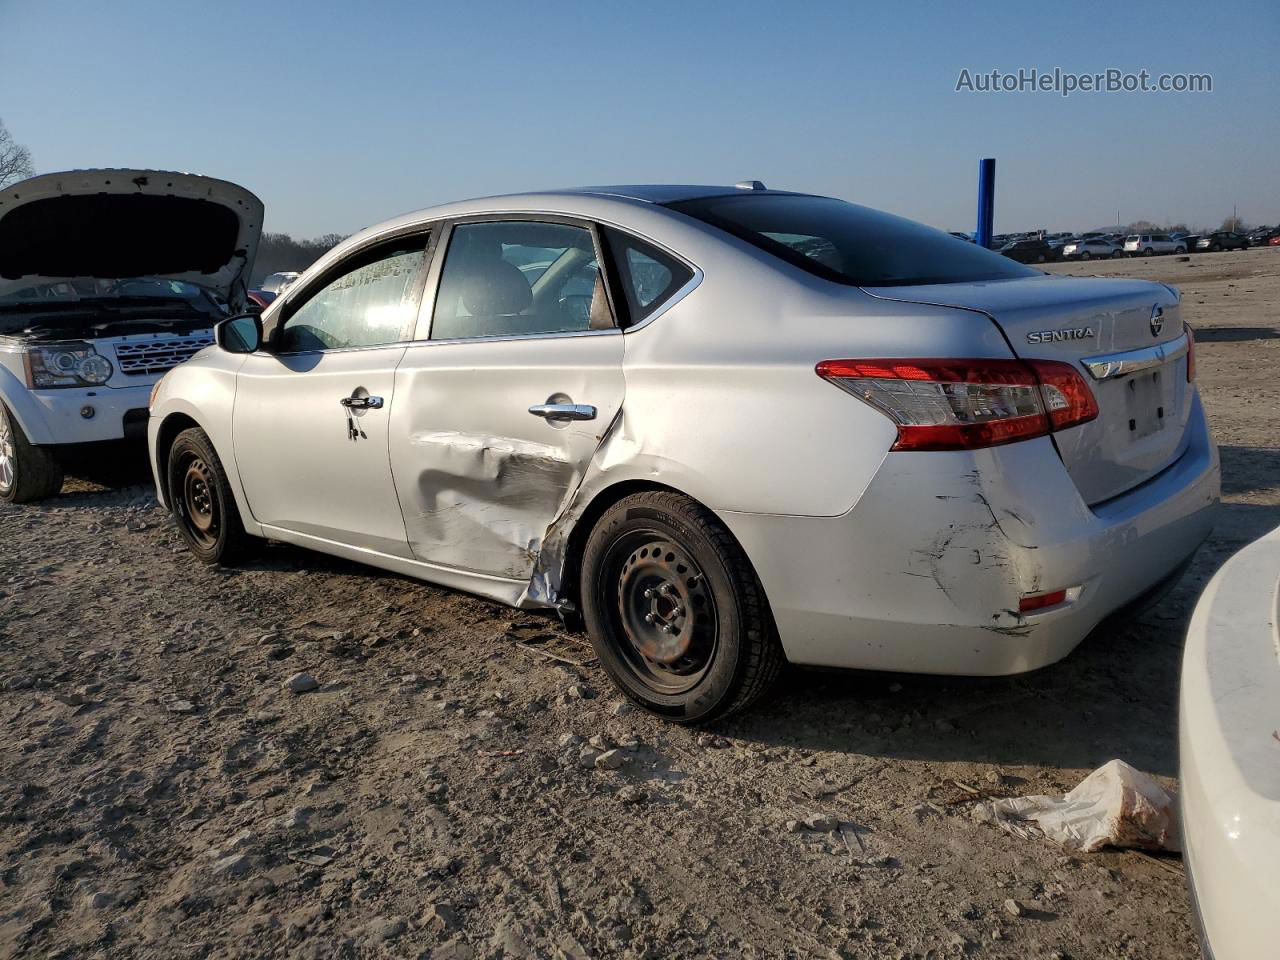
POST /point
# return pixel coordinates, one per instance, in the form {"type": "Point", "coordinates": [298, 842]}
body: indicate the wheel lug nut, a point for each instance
{"type": "Point", "coordinates": [648, 593]}
{"type": "Point", "coordinates": [649, 618]}
{"type": "Point", "coordinates": [670, 628]}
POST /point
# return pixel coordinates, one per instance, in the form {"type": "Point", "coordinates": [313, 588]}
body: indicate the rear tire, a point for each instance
{"type": "Point", "coordinates": [201, 500]}
{"type": "Point", "coordinates": [675, 612]}
{"type": "Point", "coordinates": [1148, 252]}
{"type": "Point", "coordinates": [27, 472]}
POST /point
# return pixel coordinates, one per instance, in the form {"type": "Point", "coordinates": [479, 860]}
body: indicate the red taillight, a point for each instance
{"type": "Point", "coordinates": [966, 404]}
{"type": "Point", "coordinates": [1041, 600]}
{"type": "Point", "coordinates": [1067, 398]}
{"type": "Point", "coordinates": [1191, 353]}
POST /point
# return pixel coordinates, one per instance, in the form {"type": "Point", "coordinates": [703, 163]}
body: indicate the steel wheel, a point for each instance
{"type": "Point", "coordinates": [665, 610]}
{"type": "Point", "coordinates": [198, 508]}
{"type": "Point", "coordinates": [8, 456]}
{"type": "Point", "coordinates": [200, 498]}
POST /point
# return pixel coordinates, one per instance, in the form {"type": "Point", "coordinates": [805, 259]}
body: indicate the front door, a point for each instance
{"type": "Point", "coordinates": [311, 416]}
{"type": "Point", "coordinates": [500, 409]}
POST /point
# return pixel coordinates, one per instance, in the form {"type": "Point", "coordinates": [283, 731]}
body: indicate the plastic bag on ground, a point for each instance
{"type": "Point", "coordinates": [1115, 806]}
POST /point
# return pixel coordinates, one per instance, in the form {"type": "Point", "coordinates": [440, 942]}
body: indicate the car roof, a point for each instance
{"type": "Point", "coordinates": [665, 192]}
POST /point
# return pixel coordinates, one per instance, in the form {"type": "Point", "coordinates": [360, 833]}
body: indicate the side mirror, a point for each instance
{"type": "Point", "coordinates": [239, 334]}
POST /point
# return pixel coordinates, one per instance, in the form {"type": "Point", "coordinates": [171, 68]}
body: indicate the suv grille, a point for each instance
{"type": "Point", "coordinates": [157, 356]}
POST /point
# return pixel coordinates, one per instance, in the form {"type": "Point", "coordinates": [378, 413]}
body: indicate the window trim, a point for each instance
{"type": "Point", "coordinates": [298, 295]}
{"type": "Point", "coordinates": [427, 306]}
{"type": "Point", "coordinates": [616, 263]}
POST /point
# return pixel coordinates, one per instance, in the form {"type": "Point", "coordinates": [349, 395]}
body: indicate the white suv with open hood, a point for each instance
{"type": "Point", "coordinates": [108, 279]}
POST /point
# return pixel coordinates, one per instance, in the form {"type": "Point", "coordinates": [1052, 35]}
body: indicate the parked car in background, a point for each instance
{"type": "Point", "coordinates": [259, 300]}
{"type": "Point", "coordinates": [108, 279]}
{"type": "Point", "coordinates": [1187, 241]}
{"type": "Point", "coordinates": [1149, 244]}
{"type": "Point", "coordinates": [277, 283]}
{"type": "Point", "coordinates": [1229, 755]}
{"type": "Point", "coordinates": [1223, 240]}
{"type": "Point", "coordinates": [724, 426]}
{"type": "Point", "coordinates": [1260, 236]}
{"type": "Point", "coordinates": [1028, 251]}
{"type": "Point", "coordinates": [1091, 248]}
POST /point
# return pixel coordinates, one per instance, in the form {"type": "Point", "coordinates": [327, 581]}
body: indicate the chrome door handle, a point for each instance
{"type": "Point", "coordinates": [362, 403]}
{"type": "Point", "coordinates": [563, 411]}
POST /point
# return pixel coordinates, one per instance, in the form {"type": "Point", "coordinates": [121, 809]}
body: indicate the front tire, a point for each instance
{"type": "Point", "coordinates": [675, 612]}
{"type": "Point", "coordinates": [1086, 255]}
{"type": "Point", "coordinates": [27, 472]}
{"type": "Point", "coordinates": [1179, 249]}
{"type": "Point", "coordinates": [201, 500]}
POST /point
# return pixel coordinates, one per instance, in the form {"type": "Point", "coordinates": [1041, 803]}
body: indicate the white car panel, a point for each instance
{"type": "Point", "coordinates": [302, 468]}
{"type": "Point", "coordinates": [1141, 425]}
{"type": "Point", "coordinates": [1229, 754]}
{"type": "Point", "coordinates": [901, 560]}
{"type": "Point", "coordinates": [480, 478]}
{"type": "Point", "coordinates": [935, 588]}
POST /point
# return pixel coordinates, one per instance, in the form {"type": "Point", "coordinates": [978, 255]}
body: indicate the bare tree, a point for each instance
{"type": "Point", "coordinates": [1233, 224]}
{"type": "Point", "coordinates": [15, 159]}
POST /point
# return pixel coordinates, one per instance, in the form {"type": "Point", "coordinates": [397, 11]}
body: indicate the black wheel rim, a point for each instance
{"type": "Point", "coordinates": [198, 504]}
{"type": "Point", "coordinates": [663, 610]}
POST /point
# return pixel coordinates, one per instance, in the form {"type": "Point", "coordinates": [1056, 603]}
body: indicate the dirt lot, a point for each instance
{"type": "Point", "coordinates": [164, 793]}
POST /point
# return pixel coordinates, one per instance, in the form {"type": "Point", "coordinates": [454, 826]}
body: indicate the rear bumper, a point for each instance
{"type": "Point", "coordinates": [924, 574]}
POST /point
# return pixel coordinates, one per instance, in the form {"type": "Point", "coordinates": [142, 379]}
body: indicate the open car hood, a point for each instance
{"type": "Point", "coordinates": [111, 224]}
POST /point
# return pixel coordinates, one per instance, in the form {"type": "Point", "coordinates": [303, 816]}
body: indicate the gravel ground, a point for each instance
{"type": "Point", "coordinates": [449, 790]}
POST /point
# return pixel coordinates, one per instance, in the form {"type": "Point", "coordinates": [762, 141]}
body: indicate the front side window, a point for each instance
{"type": "Point", "coordinates": [366, 305]}
{"type": "Point", "coordinates": [649, 276]}
{"type": "Point", "coordinates": [850, 244]}
{"type": "Point", "coordinates": [506, 278]}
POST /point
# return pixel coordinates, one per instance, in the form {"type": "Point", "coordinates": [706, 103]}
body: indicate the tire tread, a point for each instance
{"type": "Point", "coordinates": [235, 540]}
{"type": "Point", "coordinates": [763, 657]}
{"type": "Point", "coordinates": [39, 474]}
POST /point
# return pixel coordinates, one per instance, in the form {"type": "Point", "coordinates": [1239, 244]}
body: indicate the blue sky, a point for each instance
{"type": "Point", "coordinates": [340, 114]}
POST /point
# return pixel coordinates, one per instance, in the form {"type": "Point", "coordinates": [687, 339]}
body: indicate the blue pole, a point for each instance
{"type": "Point", "coordinates": [986, 201]}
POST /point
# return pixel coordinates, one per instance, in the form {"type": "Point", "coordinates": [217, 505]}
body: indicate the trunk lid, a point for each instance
{"type": "Point", "coordinates": [120, 224]}
{"type": "Point", "coordinates": [1127, 339]}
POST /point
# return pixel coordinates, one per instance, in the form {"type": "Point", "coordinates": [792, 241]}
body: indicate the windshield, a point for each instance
{"type": "Point", "coordinates": [81, 289]}
{"type": "Point", "coordinates": [850, 244]}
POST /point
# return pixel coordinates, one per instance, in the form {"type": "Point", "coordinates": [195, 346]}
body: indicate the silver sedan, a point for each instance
{"type": "Point", "coordinates": [720, 427]}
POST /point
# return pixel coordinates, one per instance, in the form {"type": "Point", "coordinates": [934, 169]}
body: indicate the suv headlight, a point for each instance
{"type": "Point", "coordinates": [66, 365]}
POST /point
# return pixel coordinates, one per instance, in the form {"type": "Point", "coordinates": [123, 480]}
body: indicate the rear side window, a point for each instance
{"type": "Point", "coordinates": [851, 244]}
{"type": "Point", "coordinates": [512, 278]}
{"type": "Point", "coordinates": [649, 276]}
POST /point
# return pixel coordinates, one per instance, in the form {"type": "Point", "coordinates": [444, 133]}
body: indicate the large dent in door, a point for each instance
{"type": "Point", "coordinates": [485, 495]}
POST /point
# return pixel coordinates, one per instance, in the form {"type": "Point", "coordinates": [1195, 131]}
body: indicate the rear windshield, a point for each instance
{"type": "Point", "coordinates": [851, 244]}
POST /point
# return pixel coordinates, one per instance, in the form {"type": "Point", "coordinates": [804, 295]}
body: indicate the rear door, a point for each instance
{"type": "Point", "coordinates": [1127, 338]}
{"type": "Point", "coordinates": [514, 379]}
